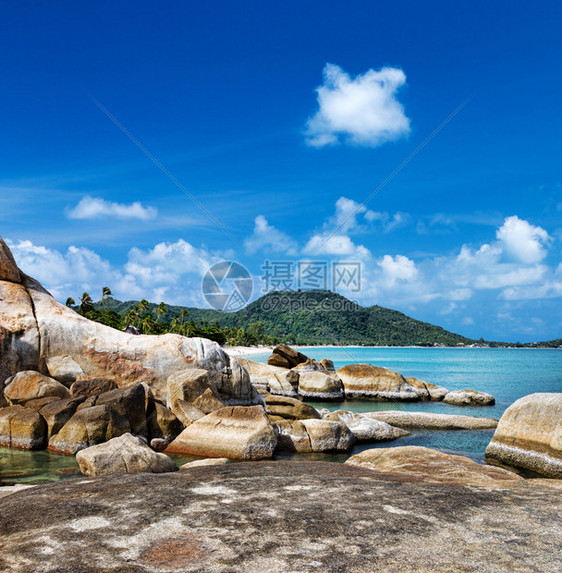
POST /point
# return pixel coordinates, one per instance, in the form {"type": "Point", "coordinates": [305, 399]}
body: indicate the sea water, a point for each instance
{"type": "Point", "coordinates": [506, 373]}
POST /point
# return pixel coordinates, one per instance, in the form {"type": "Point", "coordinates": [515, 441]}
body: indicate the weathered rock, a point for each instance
{"type": "Point", "coordinates": [22, 428]}
{"type": "Point", "coordinates": [432, 465]}
{"type": "Point", "coordinates": [529, 435]}
{"type": "Point", "coordinates": [368, 382]}
{"type": "Point", "coordinates": [159, 444]}
{"type": "Point", "coordinates": [280, 516]}
{"type": "Point", "coordinates": [64, 369]}
{"type": "Point", "coordinates": [8, 268]}
{"type": "Point", "coordinates": [102, 351]}
{"type": "Point", "coordinates": [279, 361]}
{"type": "Point", "coordinates": [162, 422]}
{"type": "Point", "coordinates": [320, 386]}
{"type": "Point", "coordinates": [129, 402]}
{"type": "Point", "coordinates": [58, 413]}
{"type": "Point", "coordinates": [326, 435]}
{"type": "Point", "coordinates": [29, 385]}
{"type": "Point", "coordinates": [469, 398]}
{"type": "Point", "coordinates": [429, 421]}
{"type": "Point", "coordinates": [283, 354]}
{"type": "Point", "coordinates": [292, 436]}
{"type": "Point", "coordinates": [38, 403]}
{"type": "Point", "coordinates": [19, 335]}
{"type": "Point", "coordinates": [327, 365]}
{"type": "Point", "coordinates": [426, 390]}
{"type": "Point", "coordinates": [92, 387]}
{"type": "Point", "coordinates": [125, 454]}
{"type": "Point", "coordinates": [290, 408]}
{"type": "Point", "coordinates": [204, 463]}
{"type": "Point", "coordinates": [89, 427]}
{"type": "Point", "coordinates": [187, 413]}
{"type": "Point", "coordinates": [279, 381]}
{"type": "Point", "coordinates": [365, 428]}
{"type": "Point", "coordinates": [208, 402]}
{"type": "Point", "coordinates": [235, 432]}
{"type": "Point", "coordinates": [310, 365]}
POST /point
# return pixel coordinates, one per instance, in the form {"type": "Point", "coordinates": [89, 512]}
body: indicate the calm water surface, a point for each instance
{"type": "Point", "coordinates": [507, 374]}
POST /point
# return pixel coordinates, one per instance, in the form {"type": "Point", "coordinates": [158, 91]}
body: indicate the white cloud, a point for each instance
{"type": "Point", "coordinates": [522, 241]}
{"type": "Point", "coordinates": [64, 274]}
{"type": "Point", "coordinates": [398, 268]}
{"type": "Point", "coordinates": [360, 111]}
{"type": "Point", "coordinates": [266, 236]}
{"type": "Point", "coordinates": [325, 244]}
{"type": "Point", "coordinates": [96, 208]}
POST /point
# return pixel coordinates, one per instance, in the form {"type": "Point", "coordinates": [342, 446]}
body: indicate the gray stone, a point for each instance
{"type": "Point", "coordinates": [280, 516]}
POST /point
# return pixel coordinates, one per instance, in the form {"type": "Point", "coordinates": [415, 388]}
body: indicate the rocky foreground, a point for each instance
{"type": "Point", "coordinates": [282, 516]}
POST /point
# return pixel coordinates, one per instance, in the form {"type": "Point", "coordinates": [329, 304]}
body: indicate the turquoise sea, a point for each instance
{"type": "Point", "coordinates": [507, 374]}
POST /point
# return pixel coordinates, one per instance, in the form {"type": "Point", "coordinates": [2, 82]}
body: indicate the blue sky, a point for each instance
{"type": "Point", "coordinates": [281, 119]}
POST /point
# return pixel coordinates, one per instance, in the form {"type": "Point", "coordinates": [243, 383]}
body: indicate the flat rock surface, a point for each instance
{"type": "Point", "coordinates": [430, 421]}
{"type": "Point", "coordinates": [279, 516]}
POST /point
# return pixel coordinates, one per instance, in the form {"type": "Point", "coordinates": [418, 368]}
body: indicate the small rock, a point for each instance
{"type": "Point", "coordinates": [125, 454]}
{"type": "Point", "coordinates": [326, 435]}
{"type": "Point", "coordinates": [365, 428]}
{"type": "Point", "coordinates": [469, 398]}
{"type": "Point", "coordinates": [204, 463]}
{"type": "Point", "coordinates": [289, 408]}
{"type": "Point", "coordinates": [22, 428]}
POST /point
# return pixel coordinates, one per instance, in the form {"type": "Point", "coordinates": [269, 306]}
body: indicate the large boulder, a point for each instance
{"type": "Point", "coordinates": [29, 385]}
{"type": "Point", "coordinates": [125, 454]}
{"type": "Point", "coordinates": [92, 387]}
{"type": "Point", "coordinates": [22, 428]}
{"type": "Point", "coordinates": [427, 390]}
{"type": "Point", "coordinates": [195, 386]}
{"type": "Point", "coordinates": [326, 435]}
{"type": "Point", "coordinates": [234, 432]}
{"type": "Point", "coordinates": [430, 421]}
{"type": "Point", "coordinates": [319, 385]}
{"type": "Point", "coordinates": [286, 357]}
{"type": "Point", "coordinates": [278, 407]}
{"type": "Point", "coordinates": [19, 335]}
{"type": "Point", "coordinates": [280, 516]}
{"type": "Point", "coordinates": [278, 381]}
{"type": "Point", "coordinates": [529, 435]}
{"type": "Point", "coordinates": [129, 402]}
{"type": "Point", "coordinates": [365, 428]}
{"type": "Point", "coordinates": [431, 465]}
{"type": "Point", "coordinates": [368, 382]}
{"type": "Point", "coordinates": [162, 422]}
{"type": "Point", "coordinates": [89, 427]}
{"type": "Point", "coordinates": [292, 436]}
{"type": "Point", "coordinates": [58, 413]}
{"type": "Point", "coordinates": [469, 398]}
{"type": "Point", "coordinates": [187, 413]}
{"type": "Point", "coordinates": [64, 369]}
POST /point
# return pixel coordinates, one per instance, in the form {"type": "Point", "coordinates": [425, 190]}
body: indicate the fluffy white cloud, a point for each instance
{"type": "Point", "coordinates": [266, 236]}
{"type": "Point", "coordinates": [64, 274]}
{"type": "Point", "coordinates": [361, 110]}
{"type": "Point", "coordinates": [342, 245]}
{"type": "Point", "coordinates": [522, 241]}
{"type": "Point", "coordinates": [96, 208]}
{"type": "Point", "coordinates": [169, 271]}
{"type": "Point", "coordinates": [398, 268]}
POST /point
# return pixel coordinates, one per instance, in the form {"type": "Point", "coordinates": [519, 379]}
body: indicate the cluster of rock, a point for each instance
{"type": "Point", "coordinates": [291, 373]}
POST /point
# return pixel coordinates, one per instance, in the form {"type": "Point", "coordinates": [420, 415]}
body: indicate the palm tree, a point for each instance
{"type": "Point", "coordinates": [70, 302]}
{"type": "Point", "coordinates": [86, 303]}
{"type": "Point", "coordinates": [105, 292]}
{"type": "Point", "coordinates": [161, 310]}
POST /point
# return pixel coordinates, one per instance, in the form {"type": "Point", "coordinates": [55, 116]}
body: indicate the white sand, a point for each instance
{"type": "Point", "coordinates": [247, 350]}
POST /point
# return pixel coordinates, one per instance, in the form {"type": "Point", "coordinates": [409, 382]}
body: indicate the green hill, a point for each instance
{"type": "Point", "coordinates": [314, 317]}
